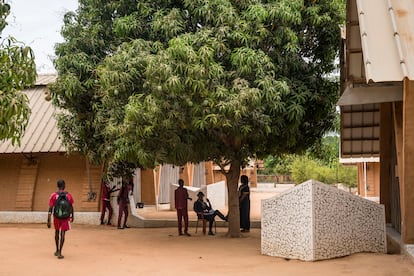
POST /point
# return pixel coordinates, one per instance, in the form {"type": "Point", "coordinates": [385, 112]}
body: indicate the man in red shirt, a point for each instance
{"type": "Point", "coordinates": [181, 196]}
{"type": "Point", "coordinates": [106, 201]}
{"type": "Point", "coordinates": [123, 202]}
{"type": "Point", "coordinates": [61, 224]}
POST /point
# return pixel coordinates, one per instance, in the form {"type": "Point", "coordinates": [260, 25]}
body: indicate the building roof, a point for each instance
{"type": "Point", "coordinates": [386, 29]}
{"type": "Point", "coordinates": [376, 57]}
{"type": "Point", "coordinates": [42, 134]}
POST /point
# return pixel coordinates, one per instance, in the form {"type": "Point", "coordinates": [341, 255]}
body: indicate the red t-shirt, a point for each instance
{"type": "Point", "coordinates": [181, 196]}
{"type": "Point", "coordinates": [55, 195]}
{"type": "Point", "coordinates": [105, 192]}
{"type": "Point", "coordinates": [60, 224]}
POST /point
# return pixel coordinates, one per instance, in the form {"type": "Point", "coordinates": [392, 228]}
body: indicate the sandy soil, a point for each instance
{"type": "Point", "coordinates": [27, 249]}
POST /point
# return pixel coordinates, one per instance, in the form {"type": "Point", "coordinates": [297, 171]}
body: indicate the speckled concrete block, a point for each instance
{"type": "Point", "coordinates": [314, 221]}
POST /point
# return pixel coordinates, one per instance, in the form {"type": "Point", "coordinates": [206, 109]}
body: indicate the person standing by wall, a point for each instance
{"type": "Point", "coordinates": [244, 204]}
{"type": "Point", "coordinates": [123, 202]}
{"type": "Point", "coordinates": [61, 205]}
{"type": "Point", "coordinates": [106, 201]}
{"type": "Point", "coordinates": [181, 197]}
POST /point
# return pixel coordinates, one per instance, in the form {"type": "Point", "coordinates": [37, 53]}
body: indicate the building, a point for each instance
{"type": "Point", "coordinates": [368, 176]}
{"type": "Point", "coordinates": [29, 171]}
{"type": "Point", "coordinates": [377, 101]}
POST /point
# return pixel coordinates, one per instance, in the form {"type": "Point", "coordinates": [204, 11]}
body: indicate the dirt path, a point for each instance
{"type": "Point", "coordinates": [96, 250]}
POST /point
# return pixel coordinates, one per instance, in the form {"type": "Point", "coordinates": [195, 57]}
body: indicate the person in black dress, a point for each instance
{"type": "Point", "coordinates": [244, 204]}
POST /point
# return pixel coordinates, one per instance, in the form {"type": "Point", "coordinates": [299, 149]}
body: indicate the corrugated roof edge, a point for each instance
{"type": "Point", "coordinates": [45, 79]}
{"type": "Point", "coordinates": [41, 118]}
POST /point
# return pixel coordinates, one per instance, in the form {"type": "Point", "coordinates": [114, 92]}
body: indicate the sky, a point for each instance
{"type": "Point", "coordinates": [37, 23]}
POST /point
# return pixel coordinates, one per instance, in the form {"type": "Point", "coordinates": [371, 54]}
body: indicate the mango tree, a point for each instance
{"type": "Point", "coordinates": [154, 82]}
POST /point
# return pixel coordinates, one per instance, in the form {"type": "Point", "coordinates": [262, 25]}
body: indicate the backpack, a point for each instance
{"type": "Point", "coordinates": [62, 208]}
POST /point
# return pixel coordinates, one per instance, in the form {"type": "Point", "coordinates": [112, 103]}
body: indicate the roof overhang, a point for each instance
{"type": "Point", "coordinates": [371, 94]}
{"type": "Point", "coordinates": [359, 160]}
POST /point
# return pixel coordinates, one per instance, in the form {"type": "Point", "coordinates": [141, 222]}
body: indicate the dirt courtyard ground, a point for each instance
{"type": "Point", "coordinates": [27, 249]}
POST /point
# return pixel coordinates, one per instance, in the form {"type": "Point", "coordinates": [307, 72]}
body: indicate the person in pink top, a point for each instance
{"type": "Point", "coordinates": [181, 197]}
{"type": "Point", "coordinates": [61, 224]}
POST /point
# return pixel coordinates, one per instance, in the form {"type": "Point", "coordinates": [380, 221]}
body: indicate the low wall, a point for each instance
{"type": "Point", "coordinates": [41, 217]}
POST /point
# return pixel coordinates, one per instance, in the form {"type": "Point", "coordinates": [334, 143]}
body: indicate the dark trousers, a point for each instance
{"type": "Point", "coordinates": [182, 214]}
{"type": "Point", "coordinates": [211, 218]}
{"type": "Point", "coordinates": [123, 209]}
{"type": "Point", "coordinates": [106, 204]}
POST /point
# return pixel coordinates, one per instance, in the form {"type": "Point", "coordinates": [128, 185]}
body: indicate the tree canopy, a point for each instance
{"type": "Point", "coordinates": [17, 71]}
{"type": "Point", "coordinates": [187, 81]}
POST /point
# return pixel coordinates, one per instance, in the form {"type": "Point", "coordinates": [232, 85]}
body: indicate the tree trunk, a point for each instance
{"type": "Point", "coordinates": [232, 177]}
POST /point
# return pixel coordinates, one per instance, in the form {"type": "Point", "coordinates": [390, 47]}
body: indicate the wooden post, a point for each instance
{"type": "Point", "coordinates": [407, 177]}
{"type": "Point", "coordinates": [385, 157]}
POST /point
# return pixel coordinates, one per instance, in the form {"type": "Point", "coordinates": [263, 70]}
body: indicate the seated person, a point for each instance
{"type": "Point", "coordinates": [204, 209]}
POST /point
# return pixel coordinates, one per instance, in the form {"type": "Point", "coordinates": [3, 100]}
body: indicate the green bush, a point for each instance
{"type": "Point", "coordinates": [304, 168]}
{"type": "Point", "coordinates": [278, 165]}
{"type": "Point", "coordinates": [348, 175]}
{"type": "Point", "coordinates": [320, 162]}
